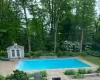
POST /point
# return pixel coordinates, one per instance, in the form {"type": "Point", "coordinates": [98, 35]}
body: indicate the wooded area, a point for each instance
{"type": "Point", "coordinates": [52, 25]}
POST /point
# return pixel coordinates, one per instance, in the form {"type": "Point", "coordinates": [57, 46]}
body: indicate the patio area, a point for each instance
{"type": "Point", "coordinates": [89, 78]}
{"type": "Point", "coordinates": [7, 67]}
{"type": "Point", "coordinates": [56, 74]}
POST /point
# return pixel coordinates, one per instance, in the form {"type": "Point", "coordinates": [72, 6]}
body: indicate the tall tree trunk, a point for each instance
{"type": "Point", "coordinates": [28, 38]}
{"type": "Point", "coordinates": [55, 26]}
{"type": "Point", "coordinates": [55, 39]}
{"type": "Point", "coordinates": [81, 42]}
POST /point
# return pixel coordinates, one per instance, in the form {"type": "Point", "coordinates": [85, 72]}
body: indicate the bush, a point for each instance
{"type": "Point", "coordinates": [19, 75]}
{"type": "Point", "coordinates": [44, 78]}
{"type": "Point", "coordinates": [35, 54]}
{"type": "Point", "coordinates": [89, 71]}
{"type": "Point", "coordinates": [59, 53]}
{"type": "Point", "coordinates": [49, 54]}
{"type": "Point", "coordinates": [69, 72]}
{"type": "Point", "coordinates": [8, 77]}
{"type": "Point", "coordinates": [3, 53]}
{"type": "Point", "coordinates": [92, 53]}
{"type": "Point", "coordinates": [1, 77]}
{"type": "Point", "coordinates": [82, 71]}
{"type": "Point", "coordinates": [30, 75]}
{"type": "Point", "coordinates": [98, 70]}
{"type": "Point", "coordinates": [44, 74]}
{"type": "Point", "coordinates": [77, 75]}
{"type": "Point", "coordinates": [84, 53]}
{"type": "Point", "coordinates": [27, 55]}
{"type": "Point", "coordinates": [69, 53]}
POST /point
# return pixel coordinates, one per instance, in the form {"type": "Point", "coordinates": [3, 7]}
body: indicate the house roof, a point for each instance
{"type": "Point", "coordinates": [15, 46]}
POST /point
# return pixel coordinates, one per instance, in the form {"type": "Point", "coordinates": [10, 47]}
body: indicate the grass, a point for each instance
{"type": "Point", "coordinates": [94, 60]}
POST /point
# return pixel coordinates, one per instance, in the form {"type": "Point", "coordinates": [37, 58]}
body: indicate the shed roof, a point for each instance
{"type": "Point", "coordinates": [15, 46]}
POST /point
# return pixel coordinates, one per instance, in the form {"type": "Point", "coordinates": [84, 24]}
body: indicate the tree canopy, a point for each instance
{"type": "Point", "coordinates": [52, 22]}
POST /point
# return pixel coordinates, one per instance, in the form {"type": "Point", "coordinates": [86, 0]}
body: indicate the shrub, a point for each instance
{"type": "Point", "coordinates": [89, 71]}
{"type": "Point", "coordinates": [30, 75]}
{"type": "Point", "coordinates": [1, 77]}
{"type": "Point", "coordinates": [51, 54]}
{"type": "Point", "coordinates": [44, 74]}
{"type": "Point", "coordinates": [98, 70]}
{"type": "Point", "coordinates": [82, 71]}
{"type": "Point", "coordinates": [69, 72]}
{"type": "Point", "coordinates": [48, 54]}
{"type": "Point", "coordinates": [92, 53]}
{"type": "Point", "coordinates": [44, 78]}
{"type": "Point", "coordinates": [69, 53]}
{"type": "Point", "coordinates": [84, 53]}
{"type": "Point", "coordinates": [3, 53]}
{"type": "Point", "coordinates": [77, 75]}
{"type": "Point", "coordinates": [59, 53]}
{"type": "Point", "coordinates": [8, 77]}
{"type": "Point", "coordinates": [27, 55]}
{"type": "Point", "coordinates": [19, 75]}
{"type": "Point", "coordinates": [36, 54]}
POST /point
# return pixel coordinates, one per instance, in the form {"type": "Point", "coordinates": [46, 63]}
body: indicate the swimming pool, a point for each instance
{"type": "Point", "coordinates": [26, 65]}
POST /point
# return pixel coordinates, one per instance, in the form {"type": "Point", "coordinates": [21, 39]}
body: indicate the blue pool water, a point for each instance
{"type": "Point", "coordinates": [25, 65]}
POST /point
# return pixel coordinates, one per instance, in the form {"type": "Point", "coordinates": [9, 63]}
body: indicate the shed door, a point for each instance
{"type": "Point", "coordinates": [13, 53]}
{"type": "Point", "coordinates": [18, 53]}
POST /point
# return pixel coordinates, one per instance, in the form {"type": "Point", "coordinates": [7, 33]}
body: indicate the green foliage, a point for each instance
{"type": "Point", "coordinates": [69, 53]}
{"type": "Point", "coordinates": [44, 78]}
{"type": "Point", "coordinates": [89, 71]}
{"type": "Point", "coordinates": [35, 54]}
{"type": "Point", "coordinates": [82, 71]}
{"type": "Point", "coordinates": [77, 75]}
{"type": "Point", "coordinates": [27, 55]}
{"type": "Point", "coordinates": [15, 26]}
{"type": "Point", "coordinates": [1, 77]}
{"type": "Point", "coordinates": [92, 53]}
{"type": "Point", "coordinates": [3, 53]}
{"type": "Point", "coordinates": [19, 75]}
{"type": "Point", "coordinates": [60, 53]}
{"type": "Point", "coordinates": [44, 74]}
{"type": "Point", "coordinates": [8, 77]}
{"type": "Point", "coordinates": [69, 72]}
{"type": "Point", "coordinates": [30, 75]}
{"type": "Point", "coordinates": [98, 70]}
{"type": "Point", "coordinates": [85, 71]}
{"type": "Point", "coordinates": [70, 46]}
{"type": "Point", "coordinates": [49, 54]}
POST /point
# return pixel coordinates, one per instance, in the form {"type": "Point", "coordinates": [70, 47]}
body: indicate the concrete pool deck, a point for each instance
{"type": "Point", "coordinates": [7, 67]}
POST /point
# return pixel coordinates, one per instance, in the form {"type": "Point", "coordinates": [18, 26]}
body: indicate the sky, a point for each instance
{"type": "Point", "coordinates": [97, 9]}
{"type": "Point", "coordinates": [98, 6]}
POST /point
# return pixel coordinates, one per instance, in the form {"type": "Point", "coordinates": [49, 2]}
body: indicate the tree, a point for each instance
{"type": "Point", "coordinates": [85, 14]}
{"type": "Point", "coordinates": [9, 25]}
{"type": "Point", "coordinates": [24, 4]}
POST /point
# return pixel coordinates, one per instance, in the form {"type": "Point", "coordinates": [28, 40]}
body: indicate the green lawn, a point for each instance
{"type": "Point", "coordinates": [94, 60]}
